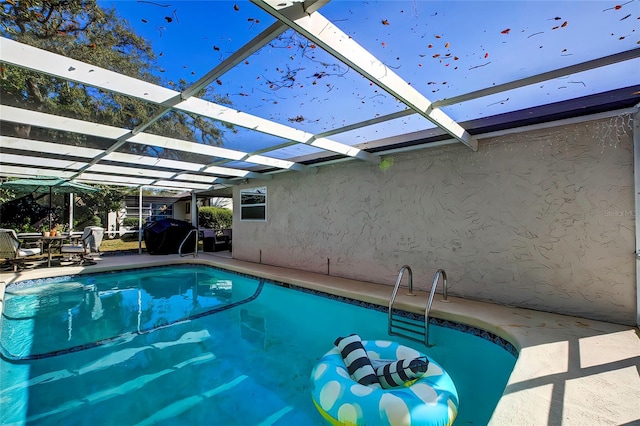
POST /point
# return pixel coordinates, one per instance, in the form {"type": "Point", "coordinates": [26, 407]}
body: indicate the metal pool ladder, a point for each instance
{"type": "Point", "coordinates": [195, 250]}
{"type": "Point", "coordinates": [411, 328]}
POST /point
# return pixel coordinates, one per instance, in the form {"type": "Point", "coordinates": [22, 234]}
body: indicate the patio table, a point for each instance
{"type": "Point", "coordinates": [48, 243]}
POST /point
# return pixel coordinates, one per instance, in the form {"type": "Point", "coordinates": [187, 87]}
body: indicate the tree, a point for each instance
{"type": "Point", "coordinates": [22, 213]}
{"type": "Point", "coordinates": [82, 30]}
{"type": "Point", "coordinates": [99, 204]}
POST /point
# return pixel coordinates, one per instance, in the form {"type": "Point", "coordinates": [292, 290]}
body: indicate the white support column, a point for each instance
{"type": "Point", "coordinates": [140, 221]}
{"type": "Point", "coordinates": [194, 210]}
{"type": "Point", "coordinates": [70, 213]}
{"type": "Point", "coordinates": [194, 213]}
{"type": "Point", "coordinates": [636, 176]}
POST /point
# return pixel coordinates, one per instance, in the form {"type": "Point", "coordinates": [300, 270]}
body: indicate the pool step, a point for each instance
{"type": "Point", "coordinates": [413, 329]}
{"type": "Point", "coordinates": [217, 386]}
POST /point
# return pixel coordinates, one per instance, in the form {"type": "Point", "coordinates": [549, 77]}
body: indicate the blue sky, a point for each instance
{"type": "Point", "coordinates": [442, 49]}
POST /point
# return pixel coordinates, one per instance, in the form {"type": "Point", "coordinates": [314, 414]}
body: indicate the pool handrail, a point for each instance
{"type": "Point", "coordinates": [439, 273]}
{"type": "Point", "coordinates": [423, 328]}
{"type": "Point", "coordinates": [195, 249]}
{"type": "Point", "coordinates": [392, 300]}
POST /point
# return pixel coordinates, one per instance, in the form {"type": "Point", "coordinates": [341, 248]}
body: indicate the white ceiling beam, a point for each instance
{"type": "Point", "coordinates": [128, 171]}
{"type": "Point", "coordinates": [30, 171]}
{"type": "Point", "coordinates": [185, 146]}
{"type": "Point", "coordinates": [252, 122]}
{"type": "Point", "coordinates": [217, 170]}
{"type": "Point", "coordinates": [238, 56]}
{"type": "Point", "coordinates": [274, 162]}
{"type": "Point", "coordinates": [365, 123]}
{"type": "Point", "coordinates": [28, 160]}
{"type": "Point", "coordinates": [30, 145]}
{"type": "Point", "coordinates": [197, 178]}
{"type": "Point", "coordinates": [499, 88]}
{"type": "Point", "coordinates": [35, 118]}
{"type": "Point", "coordinates": [93, 182]}
{"type": "Point", "coordinates": [133, 181]}
{"type": "Point", "coordinates": [322, 32]}
{"type": "Point", "coordinates": [121, 157]}
{"type": "Point", "coordinates": [92, 178]}
{"type": "Point", "coordinates": [112, 179]}
{"type": "Point", "coordinates": [39, 60]}
{"type": "Point", "coordinates": [56, 122]}
{"type": "Point", "coordinates": [182, 185]}
{"type": "Point", "coordinates": [545, 76]}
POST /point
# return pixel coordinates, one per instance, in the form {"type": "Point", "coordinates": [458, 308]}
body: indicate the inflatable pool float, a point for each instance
{"type": "Point", "coordinates": [431, 399]}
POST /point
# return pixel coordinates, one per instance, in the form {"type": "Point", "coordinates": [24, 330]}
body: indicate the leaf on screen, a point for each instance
{"type": "Point", "coordinates": [618, 6]}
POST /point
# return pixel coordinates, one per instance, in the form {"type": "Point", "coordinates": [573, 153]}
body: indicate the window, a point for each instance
{"type": "Point", "coordinates": [253, 204]}
{"type": "Point", "coordinates": [187, 208]}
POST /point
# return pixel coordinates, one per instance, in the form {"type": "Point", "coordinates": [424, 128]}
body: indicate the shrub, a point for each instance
{"type": "Point", "coordinates": [93, 220]}
{"type": "Point", "coordinates": [215, 217]}
{"type": "Point", "coordinates": [131, 222]}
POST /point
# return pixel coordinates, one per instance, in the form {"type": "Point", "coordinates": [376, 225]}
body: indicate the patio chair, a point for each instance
{"type": "Point", "coordinates": [12, 251]}
{"type": "Point", "coordinates": [229, 234]}
{"type": "Point", "coordinates": [87, 250]}
{"type": "Point", "coordinates": [214, 241]}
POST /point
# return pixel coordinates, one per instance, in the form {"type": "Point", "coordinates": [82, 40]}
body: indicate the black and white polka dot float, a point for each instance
{"type": "Point", "coordinates": [382, 383]}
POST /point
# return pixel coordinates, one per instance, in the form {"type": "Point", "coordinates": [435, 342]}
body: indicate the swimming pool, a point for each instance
{"type": "Point", "coordinates": [184, 344]}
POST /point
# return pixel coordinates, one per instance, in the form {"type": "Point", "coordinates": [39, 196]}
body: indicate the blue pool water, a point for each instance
{"type": "Point", "coordinates": [190, 345]}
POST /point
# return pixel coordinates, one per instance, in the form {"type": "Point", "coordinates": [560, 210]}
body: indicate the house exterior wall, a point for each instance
{"type": "Point", "coordinates": [180, 211]}
{"type": "Point", "coordinates": [541, 219]}
{"type": "Point", "coordinates": [151, 206]}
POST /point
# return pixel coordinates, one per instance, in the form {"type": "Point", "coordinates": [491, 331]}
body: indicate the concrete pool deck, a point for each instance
{"type": "Point", "coordinates": [570, 371]}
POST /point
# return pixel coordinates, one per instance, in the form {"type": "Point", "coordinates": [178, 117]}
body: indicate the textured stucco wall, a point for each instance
{"type": "Point", "coordinates": [540, 219]}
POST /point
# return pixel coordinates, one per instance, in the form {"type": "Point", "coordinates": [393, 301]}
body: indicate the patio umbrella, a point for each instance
{"type": "Point", "coordinates": [47, 184]}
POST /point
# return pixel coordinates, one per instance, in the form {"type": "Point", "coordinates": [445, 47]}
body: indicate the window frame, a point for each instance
{"type": "Point", "coordinates": [248, 201]}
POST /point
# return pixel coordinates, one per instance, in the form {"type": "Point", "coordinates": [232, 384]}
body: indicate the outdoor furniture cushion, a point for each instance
{"type": "Point", "coordinates": [10, 249]}
{"type": "Point", "coordinates": [356, 360]}
{"type": "Point", "coordinates": [32, 251]}
{"type": "Point", "coordinates": [397, 373]}
{"type": "Point", "coordinates": [89, 243]}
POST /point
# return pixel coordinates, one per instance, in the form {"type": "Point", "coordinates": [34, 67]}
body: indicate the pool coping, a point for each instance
{"type": "Point", "coordinates": [569, 371]}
